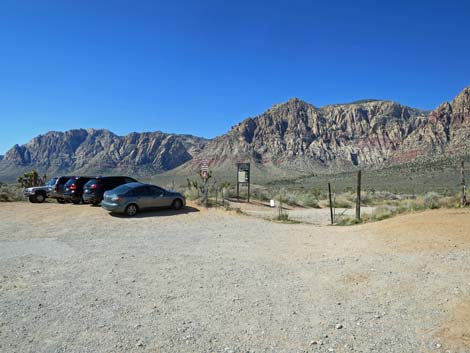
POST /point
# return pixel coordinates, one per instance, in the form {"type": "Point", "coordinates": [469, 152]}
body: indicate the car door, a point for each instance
{"type": "Point", "coordinates": [158, 196]}
{"type": "Point", "coordinates": [143, 197]}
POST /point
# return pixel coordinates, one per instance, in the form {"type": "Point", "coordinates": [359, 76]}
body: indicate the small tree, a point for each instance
{"type": "Point", "coordinates": [224, 187]}
{"type": "Point", "coordinates": [31, 179]}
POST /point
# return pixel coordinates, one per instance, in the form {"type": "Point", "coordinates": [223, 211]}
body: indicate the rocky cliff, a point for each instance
{"type": "Point", "coordinates": [293, 136]}
{"type": "Point", "coordinates": [95, 151]}
{"type": "Point", "coordinates": [369, 133]}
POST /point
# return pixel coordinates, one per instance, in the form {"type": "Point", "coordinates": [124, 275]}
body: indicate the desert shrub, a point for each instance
{"type": "Point", "coordinates": [431, 200]}
{"type": "Point", "coordinates": [290, 199]}
{"type": "Point", "coordinates": [10, 193]}
{"type": "Point", "coordinates": [382, 212]}
{"type": "Point", "coordinates": [342, 202]}
{"type": "Point", "coordinates": [450, 201]}
{"type": "Point", "coordinates": [308, 200]}
{"type": "Point", "coordinates": [260, 194]}
{"type": "Point", "coordinates": [316, 193]}
{"type": "Point", "coordinates": [347, 221]}
{"type": "Point", "coordinates": [191, 194]}
{"type": "Point", "coordinates": [386, 195]}
{"type": "Point", "coordinates": [410, 205]}
{"type": "Point", "coordinates": [282, 217]}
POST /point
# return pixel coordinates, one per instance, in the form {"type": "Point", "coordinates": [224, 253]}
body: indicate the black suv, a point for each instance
{"type": "Point", "coordinates": [73, 189]}
{"type": "Point", "coordinates": [56, 190]}
{"type": "Point", "coordinates": [95, 188]}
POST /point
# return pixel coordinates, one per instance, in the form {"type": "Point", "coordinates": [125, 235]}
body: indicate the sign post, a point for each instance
{"type": "Point", "coordinates": [205, 177]}
{"type": "Point", "coordinates": [243, 178]}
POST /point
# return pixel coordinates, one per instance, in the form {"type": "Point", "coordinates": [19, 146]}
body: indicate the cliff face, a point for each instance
{"type": "Point", "coordinates": [292, 135]}
{"type": "Point", "coordinates": [99, 150]}
{"type": "Point", "coordinates": [367, 134]}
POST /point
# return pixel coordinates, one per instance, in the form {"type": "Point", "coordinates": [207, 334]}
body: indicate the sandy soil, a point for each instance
{"type": "Point", "coordinates": [75, 279]}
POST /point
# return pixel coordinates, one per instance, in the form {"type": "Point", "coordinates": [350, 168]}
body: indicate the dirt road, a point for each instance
{"type": "Point", "coordinates": [75, 279]}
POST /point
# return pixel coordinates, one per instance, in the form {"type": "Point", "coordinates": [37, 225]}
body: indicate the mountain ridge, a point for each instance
{"type": "Point", "coordinates": [293, 135]}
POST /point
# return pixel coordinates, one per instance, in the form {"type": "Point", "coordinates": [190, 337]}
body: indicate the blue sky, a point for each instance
{"type": "Point", "coordinates": [199, 67]}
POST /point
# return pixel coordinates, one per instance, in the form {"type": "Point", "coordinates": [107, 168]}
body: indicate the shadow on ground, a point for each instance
{"type": "Point", "coordinates": [164, 212]}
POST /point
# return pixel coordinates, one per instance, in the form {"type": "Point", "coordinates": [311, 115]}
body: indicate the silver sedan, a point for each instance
{"type": "Point", "coordinates": [134, 197]}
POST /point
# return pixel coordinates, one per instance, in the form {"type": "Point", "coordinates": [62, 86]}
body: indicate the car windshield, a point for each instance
{"type": "Point", "coordinates": [121, 190]}
{"type": "Point", "coordinates": [51, 182]}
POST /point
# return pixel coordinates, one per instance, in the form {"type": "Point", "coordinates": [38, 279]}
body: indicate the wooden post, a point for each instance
{"type": "Point", "coordinates": [331, 204]}
{"type": "Point", "coordinates": [206, 194]}
{"type": "Point", "coordinates": [238, 190]}
{"type": "Point", "coordinates": [358, 196]}
{"type": "Point", "coordinates": [462, 183]}
{"type": "Point", "coordinates": [248, 191]}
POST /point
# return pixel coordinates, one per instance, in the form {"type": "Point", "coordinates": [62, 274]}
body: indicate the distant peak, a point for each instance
{"type": "Point", "coordinates": [294, 101]}
{"type": "Point", "coordinates": [462, 101]}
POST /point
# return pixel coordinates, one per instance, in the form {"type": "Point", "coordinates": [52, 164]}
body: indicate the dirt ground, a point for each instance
{"type": "Point", "coordinates": [76, 279]}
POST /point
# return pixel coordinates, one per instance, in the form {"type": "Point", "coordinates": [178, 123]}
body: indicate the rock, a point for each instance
{"type": "Point", "coordinates": [339, 326]}
{"type": "Point", "coordinates": [367, 133]}
{"type": "Point", "coordinates": [93, 150]}
{"type": "Point", "coordinates": [139, 343]}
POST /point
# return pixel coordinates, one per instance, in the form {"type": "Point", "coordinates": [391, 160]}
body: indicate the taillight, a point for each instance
{"type": "Point", "coordinates": [93, 186]}
{"type": "Point", "coordinates": [117, 198]}
{"type": "Point", "coordinates": [73, 187]}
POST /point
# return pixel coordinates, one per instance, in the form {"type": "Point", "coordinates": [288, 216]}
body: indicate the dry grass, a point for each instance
{"type": "Point", "coordinates": [393, 205]}
{"type": "Point", "coordinates": [10, 193]}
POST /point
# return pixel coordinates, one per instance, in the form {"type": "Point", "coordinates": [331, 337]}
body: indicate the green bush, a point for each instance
{"type": "Point", "coordinates": [431, 200]}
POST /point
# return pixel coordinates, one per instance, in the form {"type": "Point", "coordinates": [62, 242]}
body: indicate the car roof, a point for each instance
{"type": "Point", "coordinates": [135, 185]}
{"type": "Point", "coordinates": [112, 176]}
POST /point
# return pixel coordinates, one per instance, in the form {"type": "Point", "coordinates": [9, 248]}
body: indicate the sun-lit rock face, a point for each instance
{"type": "Point", "coordinates": [367, 133]}
{"type": "Point", "coordinates": [96, 150]}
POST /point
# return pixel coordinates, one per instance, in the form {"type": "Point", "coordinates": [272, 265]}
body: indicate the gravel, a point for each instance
{"type": "Point", "coordinates": [75, 279]}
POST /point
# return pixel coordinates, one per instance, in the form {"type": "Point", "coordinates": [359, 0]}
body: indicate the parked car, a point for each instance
{"type": "Point", "coordinates": [73, 189]}
{"type": "Point", "coordinates": [38, 194]}
{"type": "Point", "coordinates": [94, 189]}
{"type": "Point", "coordinates": [135, 197]}
{"type": "Point", "coordinates": [56, 191]}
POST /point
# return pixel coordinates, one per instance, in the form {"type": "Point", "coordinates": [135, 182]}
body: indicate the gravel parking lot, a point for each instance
{"type": "Point", "coordinates": [75, 279]}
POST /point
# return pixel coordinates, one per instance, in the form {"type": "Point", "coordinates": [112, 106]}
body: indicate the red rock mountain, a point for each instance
{"type": "Point", "coordinates": [293, 135]}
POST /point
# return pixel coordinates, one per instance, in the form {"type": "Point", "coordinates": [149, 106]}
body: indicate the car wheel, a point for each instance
{"type": "Point", "coordinates": [32, 198]}
{"type": "Point", "coordinates": [177, 204]}
{"type": "Point", "coordinates": [77, 201]}
{"type": "Point", "coordinates": [131, 210]}
{"type": "Point", "coordinates": [40, 198]}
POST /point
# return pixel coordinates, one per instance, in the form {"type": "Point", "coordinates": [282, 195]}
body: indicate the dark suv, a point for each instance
{"type": "Point", "coordinates": [56, 190]}
{"type": "Point", "coordinates": [95, 188]}
{"type": "Point", "coordinates": [73, 190]}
